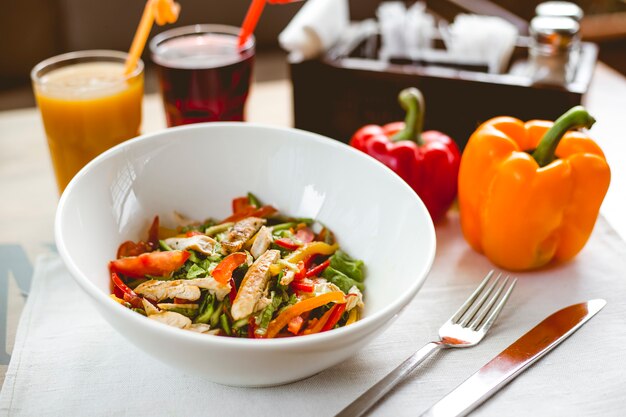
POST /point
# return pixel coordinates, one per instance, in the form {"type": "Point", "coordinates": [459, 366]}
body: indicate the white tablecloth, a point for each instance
{"type": "Point", "coordinates": [68, 361]}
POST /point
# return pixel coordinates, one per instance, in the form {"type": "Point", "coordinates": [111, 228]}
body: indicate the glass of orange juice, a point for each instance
{"type": "Point", "coordinates": [88, 105]}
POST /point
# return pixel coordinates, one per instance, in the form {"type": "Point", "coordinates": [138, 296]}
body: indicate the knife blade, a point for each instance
{"type": "Point", "coordinates": [525, 351]}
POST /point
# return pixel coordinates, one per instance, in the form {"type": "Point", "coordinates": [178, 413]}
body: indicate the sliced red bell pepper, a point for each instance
{"type": "Point", "coordinates": [301, 271]}
{"type": "Point", "coordinates": [153, 233]}
{"type": "Point", "coordinates": [316, 270]}
{"type": "Point", "coordinates": [153, 263]}
{"type": "Point", "coordinates": [286, 243]}
{"type": "Point", "coordinates": [264, 211]}
{"type": "Point", "coordinates": [233, 291]}
{"type": "Point", "coordinates": [303, 285]}
{"type": "Point", "coordinates": [125, 292]}
{"type": "Point", "coordinates": [223, 272]}
{"type": "Point", "coordinates": [305, 235]}
{"type": "Point", "coordinates": [251, 328]}
{"type": "Point", "coordinates": [241, 204]}
{"type": "Point", "coordinates": [192, 233]}
{"type": "Point", "coordinates": [335, 316]}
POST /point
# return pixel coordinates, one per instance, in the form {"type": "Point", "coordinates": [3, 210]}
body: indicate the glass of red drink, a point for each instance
{"type": "Point", "coordinates": [204, 75]}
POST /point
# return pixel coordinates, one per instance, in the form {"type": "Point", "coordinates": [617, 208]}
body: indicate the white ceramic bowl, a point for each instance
{"type": "Point", "coordinates": [197, 170]}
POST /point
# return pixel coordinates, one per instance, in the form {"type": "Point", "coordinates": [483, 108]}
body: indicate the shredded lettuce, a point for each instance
{"type": "Point", "coordinates": [193, 257]}
{"type": "Point", "coordinates": [195, 271]}
{"type": "Point", "coordinates": [267, 313]}
{"type": "Point", "coordinates": [352, 268]}
{"type": "Point", "coordinates": [341, 280]}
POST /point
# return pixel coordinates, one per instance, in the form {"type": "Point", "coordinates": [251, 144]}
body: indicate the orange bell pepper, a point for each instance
{"type": "Point", "coordinates": [301, 307]}
{"type": "Point", "coordinates": [530, 193]}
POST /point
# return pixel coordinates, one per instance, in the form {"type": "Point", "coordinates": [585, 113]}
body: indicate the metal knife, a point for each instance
{"type": "Point", "coordinates": [514, 360]}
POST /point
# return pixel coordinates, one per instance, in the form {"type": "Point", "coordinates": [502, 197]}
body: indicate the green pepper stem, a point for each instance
{"type": "Point", "coordinates": [411, 100]}
{"type": "Point", "coordinates": [575, 118]}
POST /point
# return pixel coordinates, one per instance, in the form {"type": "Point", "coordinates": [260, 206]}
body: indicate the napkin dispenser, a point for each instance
{"type": "Point", "coordinates": [336, 94]}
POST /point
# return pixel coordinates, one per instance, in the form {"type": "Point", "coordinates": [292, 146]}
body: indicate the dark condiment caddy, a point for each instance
{"type": "Point", "coordinates": [336, 96]}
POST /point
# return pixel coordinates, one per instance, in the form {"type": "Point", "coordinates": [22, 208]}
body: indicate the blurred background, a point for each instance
{"type": "Point", "coordinates": [32, 30]}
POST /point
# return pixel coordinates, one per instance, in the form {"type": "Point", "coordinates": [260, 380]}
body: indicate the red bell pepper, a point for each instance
{"type": "Point", "coordinates": [126, 293]}
{"type": "Point", "coordinates": [153, 263]}
{"type": "Point", "coordinates": [233, 291]}
{"type": "Point", "coordinates": [316, 270]}
{"type": "Point", "coordinates": [223, 272]}
{"type": "Point", "coordinates": [303, 285]}
{"type": "Point", "coordinates": [288, 244]}
{"type": "Point", "coordinates": [335, 316]}
{"type": "Point", "coordinates": [427, 161]}
{"type": "Point", "coordinates": [241, 204]}
{"type": "Point", "coordinates": [305, 235]}
{"type": "Point", "coordinates": [251, 211]}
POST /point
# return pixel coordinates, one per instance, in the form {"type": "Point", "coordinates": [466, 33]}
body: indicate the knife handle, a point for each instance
{"type": "Point", "coordinates": [370, 397]}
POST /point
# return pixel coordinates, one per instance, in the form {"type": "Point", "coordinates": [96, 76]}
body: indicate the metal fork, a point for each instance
{"type": "Point", "coordinates": [465, 328]}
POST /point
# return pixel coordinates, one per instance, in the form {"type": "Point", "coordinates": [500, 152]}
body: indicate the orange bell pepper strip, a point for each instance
{"type": "Point", "coordinates": [303, 306]}
{"type": "Point", "coordinates": [530, 193]}
{"type": "Point", "coordinates": [313, 248]}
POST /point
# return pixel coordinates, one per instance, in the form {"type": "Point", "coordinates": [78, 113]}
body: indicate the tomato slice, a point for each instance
{"type": "Point", "coordinates": [223, 272]}
{"type": "Point", "coordinates": [295, 324]}
{"type": "Point", "coordinates": [153, 263]}
{"type": "Point", "coordinates": [130, 248]}
{"type": "Point", "coordinates": [305, 235]}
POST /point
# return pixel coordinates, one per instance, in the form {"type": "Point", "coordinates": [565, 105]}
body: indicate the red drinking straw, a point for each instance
{"type": "Point", "coordinates": [251, 20]}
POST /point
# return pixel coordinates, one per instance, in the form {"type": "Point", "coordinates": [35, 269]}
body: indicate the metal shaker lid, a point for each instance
{"type": "Point", "coordinates": [554, 34]}
{"type": "Point", "coordinates": [559, 9]}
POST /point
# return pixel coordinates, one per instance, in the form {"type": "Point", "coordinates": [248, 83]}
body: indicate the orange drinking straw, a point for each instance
{"type": "Point", "coordinates": [252, 18]}
{"type": "Point", "coordinates": [161, 11]}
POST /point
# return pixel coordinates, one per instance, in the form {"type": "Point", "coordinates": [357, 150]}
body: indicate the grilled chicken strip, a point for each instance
{"type": "Point", "coordinates": [262, 242]}
{"type": "Point", "coordinates": [209, 283]}
{"type": "Point", "coordinates": [172, 319]}
{"type": "Point", "coordinates": [168, 317]}
{"type": "Point", "coordinates": [253, 284]}
{"type": "Point", "coordinates": [200, 243]}
{"type": "Point", "coordinates": [160, 290]}
{"type": "Point", "coordinates": [240, 233]}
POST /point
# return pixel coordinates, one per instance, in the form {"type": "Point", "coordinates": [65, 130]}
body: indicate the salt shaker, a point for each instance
{"type": "Point", "coordinates": [553, 50]}
{"type": "Point", "coordinates": [559, 9]}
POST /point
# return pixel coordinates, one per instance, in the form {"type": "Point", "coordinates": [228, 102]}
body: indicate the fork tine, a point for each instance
{"type": "Point", "coordinates": [480, 302]}
{"type": "Point", "coordinates": [459, 313]}
{"type": "Point", "coordinates": [494, 314]}
{"type": "Point", "coordinates": [488, 305]}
